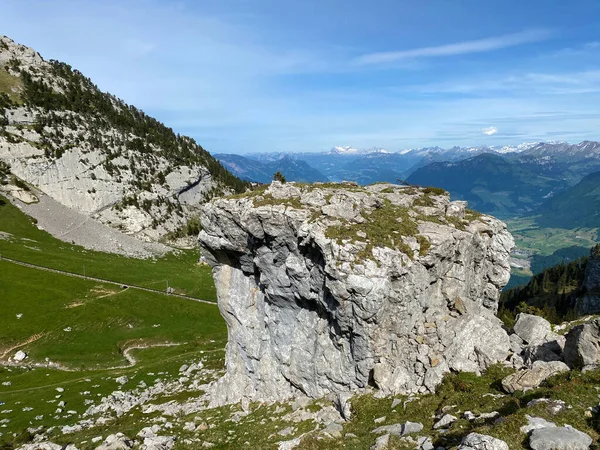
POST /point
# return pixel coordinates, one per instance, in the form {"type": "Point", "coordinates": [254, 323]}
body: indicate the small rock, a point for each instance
{"type": "Point", "coordinates": [424, 443]}
{"type": "Point", "coordinates": [379, 420]}
{"type": "Point", "coordinates": [59, 389]}
{"type": "Point", "coordinates": [286, 431]}
{"type": "Point", "coordinates": [184, 368]}
{"type": "Point", "coordinates": [116, 442]}
{"type": "Point", "coordinates": [300, 402]}
{"type": "Point", "coordinates": [381, 443]}
{"type": "Point", "coordinates": [158, 443]}
{"type": "Point", "coordinates": [334, 430]}
{"type": "Point", "coordinates": [396, 402]}
{"type": "Point", "coordinates": [469, 416]}
{"type": "Point", "coordinates": [399, 429]}
{"type": "Point", "coordinates": [342, 404]}
{"type": "Point", "coordinates": [476, 441]}
{"type": "Point", "coordinates": [531, 378]}
{"type": "Point", "coordinates": [559, 438]}
{"type": "Point", "coordinates": [554, 406]}
{"type": "Point", "coordinates": [20, 356]}
{"type": "Point", "coordinates": [445, 421]}
{"type": "Point", "coordinates": [122, 380]}
{"type": "Point", "coordinates": [536, 423]}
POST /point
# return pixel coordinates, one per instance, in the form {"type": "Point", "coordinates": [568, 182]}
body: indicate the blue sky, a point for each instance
{"type": "Point", "coordinates": [305, 75]}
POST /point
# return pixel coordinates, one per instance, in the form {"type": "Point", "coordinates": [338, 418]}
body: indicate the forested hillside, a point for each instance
{"type": "Point", "coordinates": [553, 293]}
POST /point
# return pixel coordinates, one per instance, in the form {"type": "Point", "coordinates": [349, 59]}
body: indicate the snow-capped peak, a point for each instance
{"type": "Point", "coordinates": [348, 150]}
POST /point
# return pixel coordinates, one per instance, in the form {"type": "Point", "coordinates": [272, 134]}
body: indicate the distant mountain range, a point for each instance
{"type": "Point", "coordinates": [262, 171]}
{"type": "Point", "coordinates": [501, 180]}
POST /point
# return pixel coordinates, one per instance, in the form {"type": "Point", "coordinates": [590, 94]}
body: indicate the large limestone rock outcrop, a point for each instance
{"type": "Point", "coordinates": [334, 288]}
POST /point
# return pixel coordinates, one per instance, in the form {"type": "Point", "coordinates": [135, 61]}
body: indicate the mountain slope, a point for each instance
{"type": "Point", "coordinates": [490, 183]}
{"type": "Point", "coordinates": [94, 153]}
{"type": "Point", "coordinates": [262, 171]}
{"type": "Point", "coordinates": [576, 207]}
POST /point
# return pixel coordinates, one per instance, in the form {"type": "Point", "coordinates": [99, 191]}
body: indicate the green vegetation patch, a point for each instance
{"type": "Point", "coordinates": [29, 244]}
{"type": "Point", "coordinates": [85, 324]}
{"type": "Point", "coordinates": [11, 86]}
{"type": "Point", "coordinates": [384, 227]}
{"type": "Point", "coordinates": [462, 392]}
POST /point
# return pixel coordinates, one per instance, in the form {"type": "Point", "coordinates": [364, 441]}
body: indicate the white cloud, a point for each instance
{"type": "Point", "coordinates": [459, 48]}
{"type": "Point", "coordinates": [490, 131]}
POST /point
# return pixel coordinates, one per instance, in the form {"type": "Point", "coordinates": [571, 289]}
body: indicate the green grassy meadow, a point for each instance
{"type": "Point", "coordinates": [84, 326]}
{"type": "Point", "coordinates": [27, 243]}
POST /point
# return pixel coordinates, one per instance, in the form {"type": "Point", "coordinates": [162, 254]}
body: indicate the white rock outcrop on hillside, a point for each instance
{"type": "Point", "coordinates": [86, 164]}
{"type": "Point", "coordinates": [322, 293]}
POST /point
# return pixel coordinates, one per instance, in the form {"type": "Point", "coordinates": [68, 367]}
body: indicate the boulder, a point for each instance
{"type": "Point", "coordinates": [319, 301]}
{"type": "Point", "coordinates": [532, 329]}
{"type": "Point", "coordinates": [116, 442]}
{"type": "Point", "coordinates": [476, 441]}
{"type": "Point", "coordinates": [559, 438]}
{"type": "Point", "coordinates": [582, 347]}
{"type": "Point", "coordinates": [158, 443]}
{"type": "Point", "coordinates": [20, 356]}
{"type": "Point", "coordinates": [531, 378]}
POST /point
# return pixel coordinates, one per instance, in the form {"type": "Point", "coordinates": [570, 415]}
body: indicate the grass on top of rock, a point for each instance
{"type": "Point", "coordinates": [384, 227]}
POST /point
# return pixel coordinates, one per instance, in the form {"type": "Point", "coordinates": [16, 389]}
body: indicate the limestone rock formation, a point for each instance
{"type": "Point", "coordinates": [334, 288]}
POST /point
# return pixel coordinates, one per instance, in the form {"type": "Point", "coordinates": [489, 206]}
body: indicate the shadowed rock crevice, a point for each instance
{"type": "Point", "coordinates": [330, 288]}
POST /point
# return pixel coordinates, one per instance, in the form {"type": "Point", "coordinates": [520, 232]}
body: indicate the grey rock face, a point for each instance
{"type": "Point", "coordinates": [525, 379]}
{"type": "Point", "coordinates": [337, 288]}
{"type": "Point", "coordinates": [582, 348]}
{"type": "Point", "coordinates": [476, 441]}
{"type": "Point", "coordinates": [559, 438]}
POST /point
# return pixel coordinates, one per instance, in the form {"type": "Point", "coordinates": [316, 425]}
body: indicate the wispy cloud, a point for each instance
{"type": "Point", "coordinates": [458, 48]}
{"type": "Point", "coordinates": [490, 131]}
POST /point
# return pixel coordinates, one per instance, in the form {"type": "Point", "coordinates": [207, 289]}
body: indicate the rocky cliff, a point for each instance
{"type": "Point", "coordinates": [332, 288]}
{"type": "Point", "coordinates": [93, 153]}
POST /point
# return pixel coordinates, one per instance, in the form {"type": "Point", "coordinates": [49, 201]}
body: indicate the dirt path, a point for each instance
{"type": "Point", "coordinates": [101, 280]}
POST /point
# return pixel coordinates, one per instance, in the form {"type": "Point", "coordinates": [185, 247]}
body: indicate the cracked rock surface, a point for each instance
{"type": "Point", "coordinates": [334, 288]}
